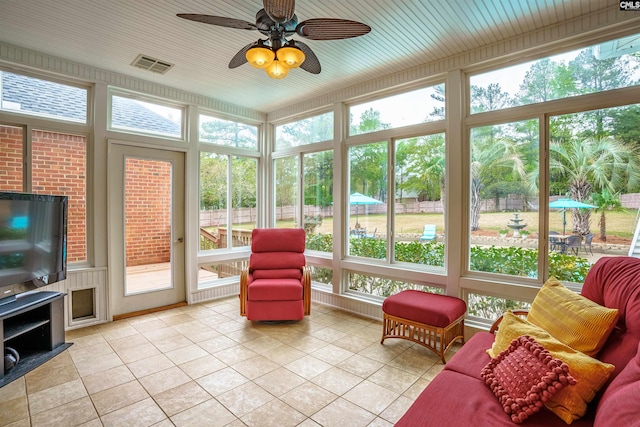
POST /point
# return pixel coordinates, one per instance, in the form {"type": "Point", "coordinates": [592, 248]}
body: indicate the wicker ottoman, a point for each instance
{"type": "Point", "coordinates": [432, 320]}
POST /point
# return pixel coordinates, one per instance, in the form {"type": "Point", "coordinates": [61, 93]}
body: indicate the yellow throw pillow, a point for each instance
{"type": "Point", "coordinates": [590, 374]}
{"type": "Point", "coordinates": [571, 318]}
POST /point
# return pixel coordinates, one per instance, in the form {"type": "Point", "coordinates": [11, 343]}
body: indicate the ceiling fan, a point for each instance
{"type": "Point", "coordinates": [277, 54]}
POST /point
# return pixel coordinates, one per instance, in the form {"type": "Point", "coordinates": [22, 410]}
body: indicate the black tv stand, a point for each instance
{"type": "Point", "coordinates": [33, 325]}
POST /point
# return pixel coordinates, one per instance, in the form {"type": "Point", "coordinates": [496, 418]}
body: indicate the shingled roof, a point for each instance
{"type": "Point", "coordinates": [58, 100]}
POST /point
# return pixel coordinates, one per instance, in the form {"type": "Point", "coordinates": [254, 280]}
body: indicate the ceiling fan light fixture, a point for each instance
{"type": "Point", "coordinates": [277, 70]}
{"type": "Point", "coordinates": [260, 56]}
{"type": "Point", "coordinates": [291, 56]}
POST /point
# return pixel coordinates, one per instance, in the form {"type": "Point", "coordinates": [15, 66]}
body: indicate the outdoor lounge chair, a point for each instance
{"type": "Point", "coordinates": [429, 233]}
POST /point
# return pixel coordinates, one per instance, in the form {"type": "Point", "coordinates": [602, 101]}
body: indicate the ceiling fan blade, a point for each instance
{"type": "Point", "coordinates": [311, 63]}
{"type": "Point", "coordinates": [331, 29]}
{"type": "Point", "coordinates": [220, 21]}
{"type": "Point", "coordinates": [280, 10]}
{"type": "Point", "coordinates": [240, 57]}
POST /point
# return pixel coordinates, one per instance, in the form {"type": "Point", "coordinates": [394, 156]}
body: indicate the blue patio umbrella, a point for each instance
{"type": "Point", "coordinates": [565, 204]}
{"type": "Point", "coordinates": [361, 199]}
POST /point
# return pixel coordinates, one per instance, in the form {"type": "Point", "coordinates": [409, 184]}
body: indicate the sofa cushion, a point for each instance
{"type": "Point", "coordinates": [454, 399]}
{"type": "Point", "coordinates": [619, 403]}
{"type": "Point", "coordinates": [590, 374]}
{"type": "Point", "coordinates": [571, 318]}
{"type": "Point", "coordinates": [524, 376]}
{"type": "Point", "coordinates": [472, 357]}
{"type": "Point", "coordinates": [615, 282]}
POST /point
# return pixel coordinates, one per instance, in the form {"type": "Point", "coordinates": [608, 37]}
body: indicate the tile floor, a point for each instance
{"type": "Point", "coordinates": [205, 365]}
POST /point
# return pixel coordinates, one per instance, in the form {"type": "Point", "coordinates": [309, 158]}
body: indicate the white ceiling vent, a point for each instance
{"type": "Point", "coordinates": [148, 63]}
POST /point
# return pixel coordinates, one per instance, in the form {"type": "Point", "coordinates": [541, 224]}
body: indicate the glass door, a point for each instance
{"type": "Point", "coordinates": [146, 238]}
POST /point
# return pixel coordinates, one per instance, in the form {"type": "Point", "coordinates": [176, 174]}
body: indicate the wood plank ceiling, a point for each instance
{"type": "Point", "coordinates": [405, 33]}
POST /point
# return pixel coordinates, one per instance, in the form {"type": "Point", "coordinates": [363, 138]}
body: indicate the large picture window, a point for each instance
{"type": "Point", "coordinates": [598, 68]}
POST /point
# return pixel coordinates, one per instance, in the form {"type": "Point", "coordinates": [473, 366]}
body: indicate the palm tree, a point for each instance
{"type": "Point", "coordinates": [491, 157]}
{"type": "Point", "coordinates": [593, 164]}
{"type": "Point", "coordinates": [606, 201]}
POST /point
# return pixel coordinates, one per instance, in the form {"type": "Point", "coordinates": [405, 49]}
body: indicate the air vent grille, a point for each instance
{"type": "Point", "coordinates": [152, 64]}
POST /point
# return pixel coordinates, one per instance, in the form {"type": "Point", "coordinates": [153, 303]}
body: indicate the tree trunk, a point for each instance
{"type": "Point", "coordinates": [603, 227]}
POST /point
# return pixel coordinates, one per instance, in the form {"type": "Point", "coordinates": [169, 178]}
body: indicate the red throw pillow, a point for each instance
{"type": "Point", "coordinates": [524, 376]}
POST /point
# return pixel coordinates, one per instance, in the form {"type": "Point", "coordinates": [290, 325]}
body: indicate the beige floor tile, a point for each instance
{"type": "Point", "coordinates": [360, 365]}
{"type": "Point", "coordinates": [164, 380]}
{"type": "Point", "coordinates": [172, 343]}
{"type": "Point", "coordinates": [244, 399]}
{"type": "Point", "coordinates": [217, 344]}
{"type": "Point", "coordinates": [320, 371]}
{"type": "Point", "coordinates": [352, 343]}
{"type": "Point", "coordinates": [178, 399]}
{"type": "Point", "coordinates": [151, 365]}
{"type": "Point", "coordinates": [118, 397]}
{"type": "Point", "coordinates": [283, 354]}
{"type": "Point", "coordinates": [94, 365]}
{"type": "Point", "coordinates": [106, 379]}
{"type": "Point", "coordinates": [71, 414]}
{"type": "Point", "coordinates": [135, 353]}
{"type": "Point", "coordinates": [14, 410]}
{"type": "Point", "coordinates": [337, 412]}
{"type": "Point", "coordinates": [279, 381]}
{"type": "Point", "coordinates": [56, 396]}
{"type": "Point", "coordinates": [255, 367]}
{"type": "Point", "coordinates": [202, 366]}
{"type": "Point", "coordinates": [186, 354]}
{"type": "Point", "coordinates": [14, 389]}
{"type": "Point", "coordinates": [221, 381]}
{"type": "Point", "coordinates": [332, 354]}
{"type": "Point", "coordinates": [99, 348]}
{"type": "Point", "coordinates": [50, 375]}
{"type": "Point", "coordinates": [160, 334]}
{"type": "Point", "coordinates": [308, 398]}
{"type": "Point", "coordinates": [396, 410]}
{"type": "Point", "coordinates": [414, 391]}
{"type": "Point", "coordinates": [393, 379]}
{"type": "Point", "coordinates": [371, 397]}
{"type": "Point", "coordinates": [308, 367]}
{"type": "Point", "coordinates": [176, 319]}
{"type": "Point", "coordinates": [196, 331]}
{"type": "Point", "coordinates": [207, 414]}
{"type": "Point", "coordinates": [337, 381]}
{"type": "Point", "coordinates": [139, 414]}
{"type": "Point", "coordinates": [124, 330]}
{"type": "Point", "coordinates": [235, 354]}
{"type": "Point", "coordinates": [416, 360]}
{"type": "Point", "coordinates": [275, 413]}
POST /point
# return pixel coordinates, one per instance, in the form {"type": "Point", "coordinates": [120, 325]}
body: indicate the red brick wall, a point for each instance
{"type": "Point", "coordinates": [148, 216]}
{"type": "Point", "coordinates": [10, 158]}
{"type": "Point", "coordinates": [58, 167]}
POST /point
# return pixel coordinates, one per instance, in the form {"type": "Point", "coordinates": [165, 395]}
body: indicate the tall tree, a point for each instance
{"type": "Point", "coordinates": [594, 164]}
{"type": "Point", "coordinates": [491, 158]}
{"type": "Point", "coordinates": [605, 201]}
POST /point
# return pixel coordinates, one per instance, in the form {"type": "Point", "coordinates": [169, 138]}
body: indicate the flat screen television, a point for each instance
{"type": "Point", "coordinates": [33, 242]}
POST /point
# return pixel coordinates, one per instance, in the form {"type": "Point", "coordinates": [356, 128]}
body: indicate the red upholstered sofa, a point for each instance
{"type": "Point", "coordinates": [458, 396]}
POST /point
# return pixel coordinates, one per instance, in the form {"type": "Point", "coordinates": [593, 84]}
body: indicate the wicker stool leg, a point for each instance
{"type": "Point", "coordinates": [425, 335]}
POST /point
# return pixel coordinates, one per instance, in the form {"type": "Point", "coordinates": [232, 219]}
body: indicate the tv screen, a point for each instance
{"type": "Point", "coordinates": [33, 241]}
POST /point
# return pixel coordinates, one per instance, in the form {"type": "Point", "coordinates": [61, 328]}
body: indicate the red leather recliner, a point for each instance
{"type": "Point", "coordinates": [277, 285]}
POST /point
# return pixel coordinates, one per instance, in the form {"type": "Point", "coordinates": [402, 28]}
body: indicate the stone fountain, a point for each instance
{"type": "Point", "coordinates": [514, 224]}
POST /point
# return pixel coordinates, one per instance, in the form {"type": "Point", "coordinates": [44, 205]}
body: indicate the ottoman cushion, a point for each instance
{"type": "Point", "coordinates": [423, 307]}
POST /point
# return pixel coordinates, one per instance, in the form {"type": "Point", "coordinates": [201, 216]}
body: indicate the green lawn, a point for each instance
{"type": "Point", "coordinates": [619, 224]}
